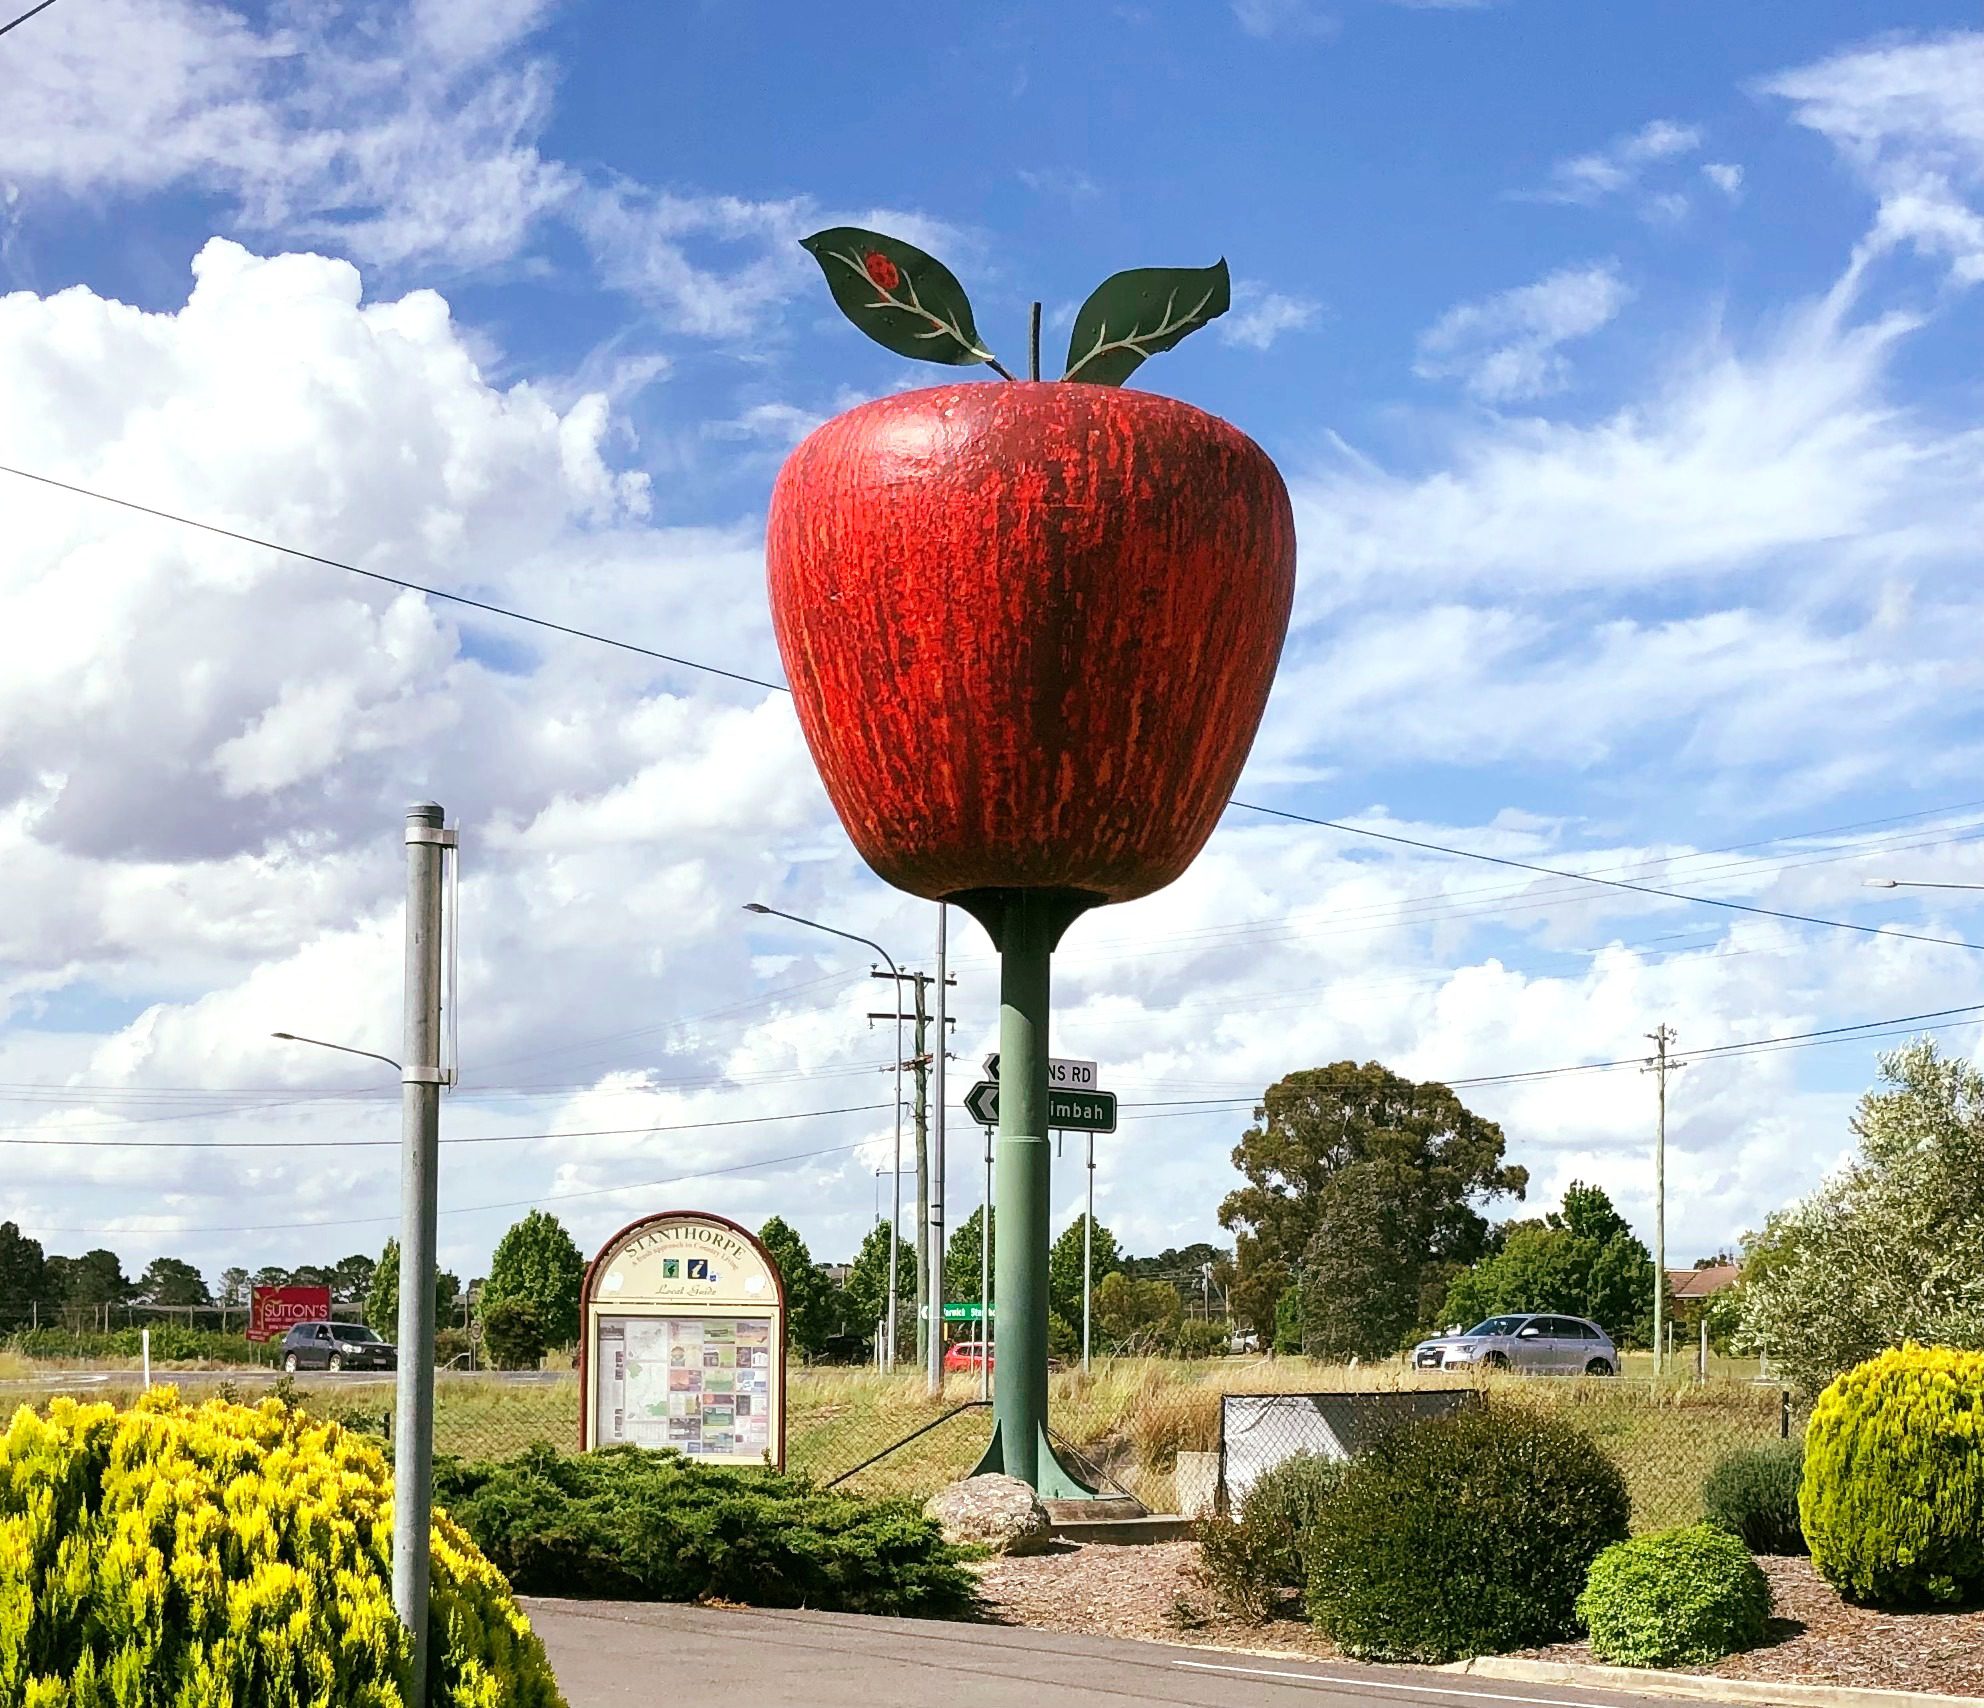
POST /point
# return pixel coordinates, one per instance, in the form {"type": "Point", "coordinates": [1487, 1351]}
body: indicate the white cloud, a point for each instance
{"type": "Point", "coordinates": [1509, 345]}
{"type": "Point", "coordinates": [1263, 19]}
{"type": "Point", "coordinates": [404, 135]}
{"type": "Point", "coordinates": [1621, 164]}
{"type": "Point", "coordinates": [1908, 116]}
{"type": "Point", "coordinates": [1725, 177]}
{"type": "Point", "coordinates": [1260, 316]}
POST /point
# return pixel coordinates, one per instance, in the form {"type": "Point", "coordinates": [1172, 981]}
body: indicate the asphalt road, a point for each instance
{"type": "Point", "coordinates": [609, 1653]}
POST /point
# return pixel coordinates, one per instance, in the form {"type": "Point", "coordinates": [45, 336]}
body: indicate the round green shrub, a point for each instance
{"type": "Point", "coordinates": [1675, 1598]}
{"type": "Point", "coordinates": [626, 1523]}
{"type": "Point", "coordinates": [1893, 1497]}
{"type": "Point", "coordinates": [1753, 1495]}
{"type": "Point", "coordinates": [1251, 1558]}
{"type": "Point", "coordinates": [225, 1553]}
{"type": "Point", "coordinates": [1462, 1535]}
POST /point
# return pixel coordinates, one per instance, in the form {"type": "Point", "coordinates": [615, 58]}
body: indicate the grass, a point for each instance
{"type": "Point", "coordinates": [1129, 1417]}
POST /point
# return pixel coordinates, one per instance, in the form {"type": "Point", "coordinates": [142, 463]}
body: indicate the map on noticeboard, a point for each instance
{"type": "Point", "coordinates": [701, 1385]}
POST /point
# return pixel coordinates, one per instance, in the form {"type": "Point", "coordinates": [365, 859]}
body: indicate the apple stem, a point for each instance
{"type": "Point", "coordinates": [1033, 344]}
{"type": "Point", "coordinates": [997, 368]}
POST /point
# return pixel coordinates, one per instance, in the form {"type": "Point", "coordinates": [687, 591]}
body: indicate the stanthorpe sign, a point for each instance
{"type": "Point", "coordinates": [273, 1310]}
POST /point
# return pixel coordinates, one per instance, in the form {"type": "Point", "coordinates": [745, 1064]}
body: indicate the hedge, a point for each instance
{"type": "Point", "coordinates": [224, 1553]}
{"type": "Point", "coordinates": [1461, 1535]}
{"type": "Point", "coordinates": [632, 1524]}
{"type": "Point", "coordinates": [1893, 1497]}
{"type": "Point", "coordinates": [1675, 1598]}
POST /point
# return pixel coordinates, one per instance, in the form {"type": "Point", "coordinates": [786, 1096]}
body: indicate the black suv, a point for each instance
{"type": "Point", "coordinates": [337, 1346]}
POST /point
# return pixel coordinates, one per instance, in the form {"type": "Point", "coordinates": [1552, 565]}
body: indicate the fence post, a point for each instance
{"type": "Point", "coordinates": [1784, 1415]}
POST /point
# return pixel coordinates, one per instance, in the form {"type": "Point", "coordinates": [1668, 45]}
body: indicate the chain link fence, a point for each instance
{"type": "Point", "coordinates": [1123, 1427]}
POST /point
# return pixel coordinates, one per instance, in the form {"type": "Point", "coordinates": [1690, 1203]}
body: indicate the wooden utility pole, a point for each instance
{"type": "Point", "coordinates": [1660, 1066]}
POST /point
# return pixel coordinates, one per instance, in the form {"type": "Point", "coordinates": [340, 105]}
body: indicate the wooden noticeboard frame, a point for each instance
{"type": "Point", "coordinates": [688, 1268]}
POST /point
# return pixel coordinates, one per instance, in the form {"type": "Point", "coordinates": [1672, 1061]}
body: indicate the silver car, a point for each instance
{"type": "Point", "coordinates": [1537, 1345]}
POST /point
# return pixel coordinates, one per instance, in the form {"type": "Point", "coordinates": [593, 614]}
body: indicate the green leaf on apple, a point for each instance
{"type": "Point", "coordinates": [905, 300]}
{"type": "Point", "coordinates": [1140, 313]}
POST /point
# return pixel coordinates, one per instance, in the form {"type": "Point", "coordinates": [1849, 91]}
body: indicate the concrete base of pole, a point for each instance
{"type": "Point", "coordinates": [1025, 925]}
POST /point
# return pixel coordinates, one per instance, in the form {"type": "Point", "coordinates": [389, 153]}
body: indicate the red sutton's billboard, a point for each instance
{"type": "Point", "coordinates": [271, 1310]}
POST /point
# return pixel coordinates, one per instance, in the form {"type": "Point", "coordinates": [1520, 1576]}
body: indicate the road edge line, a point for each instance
{"type": "Point", "coordinates": [1706, 1686]}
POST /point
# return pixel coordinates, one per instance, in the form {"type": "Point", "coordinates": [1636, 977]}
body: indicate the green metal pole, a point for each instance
{"type": "Point", "coordinates": [1019, 1389]}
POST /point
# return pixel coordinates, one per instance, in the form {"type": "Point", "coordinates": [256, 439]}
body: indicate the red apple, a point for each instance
{"type": "Point", "coordinates": [1030, 629]}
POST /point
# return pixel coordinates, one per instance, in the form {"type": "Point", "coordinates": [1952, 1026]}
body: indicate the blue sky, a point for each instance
{"type": "Point", "coordinates": [1621, 361]}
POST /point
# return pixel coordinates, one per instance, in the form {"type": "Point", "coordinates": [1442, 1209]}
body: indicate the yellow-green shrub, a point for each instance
{"type": "Point", "coordinates": [238, 1556]}
{"type": "Point", "coordinates": [1893, 1497]}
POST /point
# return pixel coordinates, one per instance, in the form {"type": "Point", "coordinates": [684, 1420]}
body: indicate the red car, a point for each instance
{"type": "Point", "coordinates": [970, 1355]}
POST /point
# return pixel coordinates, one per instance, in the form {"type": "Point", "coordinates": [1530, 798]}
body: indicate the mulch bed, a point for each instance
{"type": "Point", "coordinates": [1155, 1593]}
{"type": "Point", "coordinates": [1816, 1638]}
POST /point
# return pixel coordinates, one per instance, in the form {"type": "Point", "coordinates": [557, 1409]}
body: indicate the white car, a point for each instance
{"type": "Point", "coordinates": [1538, 1345]}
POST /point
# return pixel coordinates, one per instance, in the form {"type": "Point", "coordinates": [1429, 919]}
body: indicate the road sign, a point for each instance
{"type": "Point", "coordinates": [1064, 1073]}
{"type": "Point", "coordinates": [969, 1312]}
{"type": "Point", "coordinates": [1069, 1111]}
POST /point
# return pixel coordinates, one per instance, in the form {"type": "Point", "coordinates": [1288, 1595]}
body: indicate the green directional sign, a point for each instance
{"type": "Point", "coordinates": [971, 1311]}
{"type": "Point", "coordinates": [1068, 1111]}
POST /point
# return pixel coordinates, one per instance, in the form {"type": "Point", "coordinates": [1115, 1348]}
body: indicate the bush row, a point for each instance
{"type": "Point", "coordinates": [630, 1524]}
{"type": "Point", "coordinates": [1489, 1530]}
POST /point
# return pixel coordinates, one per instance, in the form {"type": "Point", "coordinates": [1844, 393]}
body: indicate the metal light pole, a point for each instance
{"type": "Point", "coordinates": [987, 1335]}
{"type": "Point", "coordinates": [1915, 884]}
{"type": "Point", "coordinates": [420, 1166]}
{"type": "Point", "coordinates": [933, 1234]}
{"type": "Point", "coordinates": [895, 1207]}
{"type": "Point", "coordinates": [1088, 1261]}
{"type": "Point", "coordinates": [421, 1077]}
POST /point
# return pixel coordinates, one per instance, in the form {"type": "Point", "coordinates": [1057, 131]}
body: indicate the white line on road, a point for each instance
{"type": "Point", "coordinates": [1383, 1684]}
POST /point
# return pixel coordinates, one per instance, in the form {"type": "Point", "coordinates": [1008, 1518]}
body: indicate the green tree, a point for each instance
{"type": "Point", "coordinates": [23, 1278]}
{"type": "Point", "coordinates": [1582, 1261]}
{"type": "Point", "coordinates": [867, 1290]}
{"type": "Point", "coordinates": [1064, 1269]}
{"type": "Point", "coordinates": [1360, 1274]}
{"type": "Point", "coordinates": [812, 1302]}
{"type": "Point", "coordinates": [95, 1278]}
{"type": "Point", "coordinates": [351, 1278]}
{"type": "Point", "coordinates": [1134, 1316]}
{"type": "Point", "coordinates": [1428, 1160]}
{"type": "Point", "coordinates": [275, 1276]}
{"type": "Point", "coordinates": [513, 1334]}
{"type": "Point", "coordinates": [537, 1263]}
{"type": "Point", "coordinates": [961, 1256]}
{"type": "Point", "coordinates": [1890, 1249]}
{"type": "Point", "coordinates": [233, 1289]}
{"type": "Point", "coordinates": [382, 1302]}
{"type": "Point", "coordinates": [169, 1281]}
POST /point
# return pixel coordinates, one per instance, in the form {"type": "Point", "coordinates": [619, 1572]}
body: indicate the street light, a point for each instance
{"type": "Point", "coordinates": [1914, 884]}
{"type": "Point", "coordinates": [895, 1207]}
{"type": "Point", "coordinates": [342, 1049]}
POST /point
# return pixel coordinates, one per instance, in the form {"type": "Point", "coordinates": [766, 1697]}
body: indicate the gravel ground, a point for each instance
{"type": "Point", "coordinates": [1151, 1592]}
{"type": "Point", "coordinates": [1155, 1593]}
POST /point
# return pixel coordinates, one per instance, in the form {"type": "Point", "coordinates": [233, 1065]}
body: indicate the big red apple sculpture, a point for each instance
{"type": "Point", "coordinates": [1030, 630]}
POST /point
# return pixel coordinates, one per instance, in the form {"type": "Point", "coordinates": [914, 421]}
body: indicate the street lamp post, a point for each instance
{"type": "Point", "coordinates": [895, 1206]}
{"type": "Point", "coordinates": [1915, 884]}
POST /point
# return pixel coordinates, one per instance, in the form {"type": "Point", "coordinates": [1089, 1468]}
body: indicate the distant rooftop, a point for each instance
{"type": "Point", "coordinates": [1700, 1283]}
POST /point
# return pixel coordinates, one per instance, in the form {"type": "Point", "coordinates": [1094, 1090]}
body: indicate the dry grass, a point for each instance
{"type": "Point", "coordinates": [1129, 1418]}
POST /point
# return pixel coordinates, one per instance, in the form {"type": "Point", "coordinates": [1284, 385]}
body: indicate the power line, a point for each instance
{"type": "Point", "coordinates": [472, 1209]}
{"type": "Point", "coordinates": [23, 18]}
{"type": "Point", "coordinates": [784, 688]}
{"type": "Point", "coordinates": [465, 1139]}
{"type": "Point", "coordinates": [391, 580]}
{"type": "Point", "coordinates": [1608, 883]}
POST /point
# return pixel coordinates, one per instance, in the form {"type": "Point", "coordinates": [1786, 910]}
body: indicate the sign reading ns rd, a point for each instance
{"type": "Point", "coordinates": [1064, 1073]}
